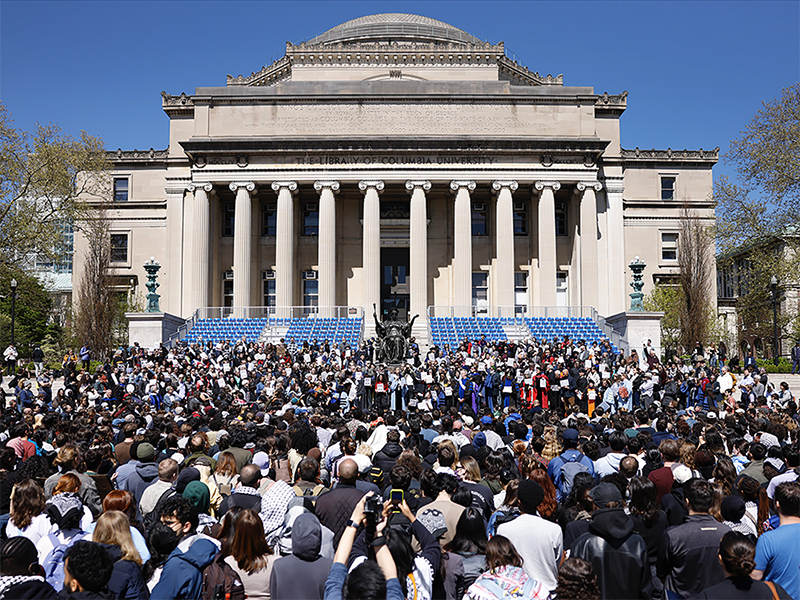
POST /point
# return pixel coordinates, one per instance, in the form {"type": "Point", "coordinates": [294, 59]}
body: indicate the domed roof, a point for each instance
{"type": "Point", "coordinates": [395, 27]}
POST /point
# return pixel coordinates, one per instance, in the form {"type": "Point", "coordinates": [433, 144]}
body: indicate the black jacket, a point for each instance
{"type": "Point", "coordinates": [24, 587]}
{"type": "Point", "coordinates": [618, 555]}
{"type": "Point", "coordinates": [334, 508]}
{"type": "Point", "coordinates": [387, 456]}
{"type": "Point", "coordinates": [744, 588]}
{"type": "Point", "coordinates": [688, 557]}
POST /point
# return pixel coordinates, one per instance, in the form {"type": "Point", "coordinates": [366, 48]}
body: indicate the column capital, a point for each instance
{"type": "Point", "coordinates": [540, 185]}
{"type": "Point", "coordinates": [582, 185]}
{"type": "Point", "coordinates": [413, 184]}
{"type": "Point", "coordinates": [367, 184]}
{"type": "Point", "coordinates": [207, 187]}
{"type": "Point", "coordinates": [248, 185]}
{"type": "Point", "coordinates": [462, 183]}
{"type": "Point", "coordinates": [332, 185]}
{"type": "Point", "coordinates": [500, 184]}
{"type": "Point", "coordinates": [277, 186]}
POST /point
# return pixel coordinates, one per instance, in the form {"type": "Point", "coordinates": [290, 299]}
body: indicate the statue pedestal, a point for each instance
{"type": "Point", "coordinates": [636, 327]}
{"type": "Point", "coordinates": [151, 329]}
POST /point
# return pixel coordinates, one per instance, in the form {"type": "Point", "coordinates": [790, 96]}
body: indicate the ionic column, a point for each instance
{"type": "Point", "coordinates": [418, 241]}
{"type": "Point", "coordinates": [588, 256]}
{"type": "Point", "coordinates": [284, 245]}
{"type": "Point", "coordinates": [503, 282]}
{"type": "Point", "coordinates": [326, 245]}
{"type": "Point", "coordinates": [371, 245]}
{"type": "Point", "coordinates": [616, 245]}
{"type": "Point", "coordinates": [546, 281]}
{"type": "Point", "coordinates": [462, 242]}
{"type": "Point", "coordinates": [242, 244]}
{"type": "Point", "coordinates": [201, 243]}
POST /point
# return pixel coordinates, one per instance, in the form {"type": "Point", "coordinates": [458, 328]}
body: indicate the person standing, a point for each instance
{"type": "Point", "coordinates": [796, 357]}
{"type": "Point", "coordinates": [688, 557]}
{"type": "Point", "coordinates": [539, 542]}
{"type": "Point", "coordinates": [85, 354]}
{"type": "Point", "coordinates": [38, 360]}
{"type": "Point", "coordinates": [10, 356]}
{"type": "Point", "coordinates": [778, 551]}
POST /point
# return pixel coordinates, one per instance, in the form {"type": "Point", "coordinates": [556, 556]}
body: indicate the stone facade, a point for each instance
{"type": "Point", "coordinates": [397, 160]}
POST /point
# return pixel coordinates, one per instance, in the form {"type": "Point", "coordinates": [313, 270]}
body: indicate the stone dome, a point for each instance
{"type": "Point", "coordinates": [390, 27]}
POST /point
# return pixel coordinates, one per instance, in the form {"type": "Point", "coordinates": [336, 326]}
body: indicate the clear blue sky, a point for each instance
{"type": "Point", "coordinates": [696, 72]}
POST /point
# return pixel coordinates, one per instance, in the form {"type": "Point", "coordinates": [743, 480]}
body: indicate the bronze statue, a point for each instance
{"type": "Point", "coordinates": [393, 338]}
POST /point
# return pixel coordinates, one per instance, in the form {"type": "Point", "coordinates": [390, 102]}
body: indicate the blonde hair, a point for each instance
{"type": "Point", "coordinates": [114, 528]}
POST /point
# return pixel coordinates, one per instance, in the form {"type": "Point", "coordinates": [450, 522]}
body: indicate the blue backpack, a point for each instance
{"type": "Point", "coordinates": [53, 563]}
{"type": "Point", "coordinates": [571, 467]}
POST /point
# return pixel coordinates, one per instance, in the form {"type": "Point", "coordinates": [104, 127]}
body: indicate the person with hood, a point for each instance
{"type": "Point", "coordinates": [609, 464]}
{"type": "Point", "coordinates": [386, 457]}
{"type": "Point", "coordinates": [87, 571]}
{"type": "Point", "coordinates": [20, 573]}
{"type": "Point", "coordinates": [113, 532]}
{"type": "Point", "coordinates": [302, 574]}
{"type": "Point", "coordinates": [182, 574]}
{"type": "Point", "coordinates": [197, 493]}
{"type": "Point", "coordinates": [617, 554]}
{"type": "Point", "coordinates": [145, 473]}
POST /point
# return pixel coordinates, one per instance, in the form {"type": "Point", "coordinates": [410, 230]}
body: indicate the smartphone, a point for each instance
{"type": "Point", "coordinates": [396, 498]}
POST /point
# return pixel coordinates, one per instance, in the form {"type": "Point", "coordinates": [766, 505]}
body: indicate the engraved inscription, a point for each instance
{"type": "Point", "coordinates": [387, 119]}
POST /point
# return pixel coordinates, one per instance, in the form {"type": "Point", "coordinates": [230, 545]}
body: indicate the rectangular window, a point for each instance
{"type": "Point", "coordinates": [310, 292]}
{"type": "Point", "coordinates": [480, 289]}
{"type": "Point", "coordinates": [479, 220]}
{"type": "Point", "coordinates": [119, 247]}
{"type": "Point", "coordinates": [311, 219]}
{"type": "Point", "coordinates": [521, 288]}
{"type": "Point", "coordinates": [668, 188]}
{"type": "Point", "coordinates": [669, 246]}
{"type": "Point", "coordinates": [520, 218]}
{"type": "Point", "coordinates": [268, 288]}
{"type": "Point", "coordinates": [561, 218]}
{"type": "Point", "coordinates": [227, 291]}
{"type": "Point", "coordinates": [228, 220]}
{"type": "Point", "coordinates": [120, 189]}
{"type": "Point", "coordinates": [561, 290]}
{"type": "Point", "coordinates": [269, 220]}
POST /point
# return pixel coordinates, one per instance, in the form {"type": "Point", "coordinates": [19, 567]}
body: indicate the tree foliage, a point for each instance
{"type": "Point", "coordinates": [667, 299]}
{"type": "Point", "coordinates": [42, 175]}
{"type": "Point", "coordinates": [758, 220]}
{"type": "Point", "coordinates": [32, 311]}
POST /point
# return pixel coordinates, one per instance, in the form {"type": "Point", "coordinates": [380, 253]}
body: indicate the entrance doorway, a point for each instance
{"type": "Point", "coordinates": [395, 292]}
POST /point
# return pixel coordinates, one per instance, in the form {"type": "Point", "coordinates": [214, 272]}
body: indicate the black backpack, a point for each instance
{"type": "Point", "coordinates": [151, 519]}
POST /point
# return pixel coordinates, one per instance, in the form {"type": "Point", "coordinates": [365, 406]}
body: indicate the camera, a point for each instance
{"type": "Point", "coordinates": [373, 510]}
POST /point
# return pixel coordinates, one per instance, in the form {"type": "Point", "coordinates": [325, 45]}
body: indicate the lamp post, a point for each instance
{"type": "Point", "coordinates": [13, 316]}
{"type": "Point", "coordinates": [773, 286]}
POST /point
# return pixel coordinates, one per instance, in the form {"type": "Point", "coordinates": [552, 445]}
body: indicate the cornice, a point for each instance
{"type": "Point", "coordinates": [393, 55]}
{"type": "Point", "coordinates": [150, 157]}
{"type": "Point", "coordinates": [649, 157]}
{"type": "Point", "coordinates": [613, 104]}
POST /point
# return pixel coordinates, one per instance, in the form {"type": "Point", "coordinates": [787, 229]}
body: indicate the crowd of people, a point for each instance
{"type": "Point", "coordinates": [534, 469]}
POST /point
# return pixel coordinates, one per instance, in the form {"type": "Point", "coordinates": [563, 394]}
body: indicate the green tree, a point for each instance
{"type": "Point", "coordinates": [667, 299]}
{"type": "Point", "coordinates": [757, 219]}
{"type": "Point", "coordinates": [32, 311]}
{"type": "Point", "coordinates": [42, 176]}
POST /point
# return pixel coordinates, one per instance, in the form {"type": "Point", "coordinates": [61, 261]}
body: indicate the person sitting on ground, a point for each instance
{"type": "Point", "coordinates": [737, 554]}
{"type": "Point", "coordinates": [113, 532]}
{"type": "Point", "coordinates": [505, 575]}
{"type": "Point", "coordinates": [87, 571]}
{"type": "Point", "coordinates": [20, 573]}
{"type": "Point", "coordinates": [245, 495]}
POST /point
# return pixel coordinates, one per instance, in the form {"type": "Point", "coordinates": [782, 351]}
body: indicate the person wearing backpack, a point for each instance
{"type": "Point", "coordinates": [563, 468]}
{"type": "Point", "coordinates": [245, 495]}
{"type": "Point", "coordinates": [505, 577]}
{"type": "Point", "coordinates": [307, 483]}
{"type": "Point", "coordinates": [65, 512]}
